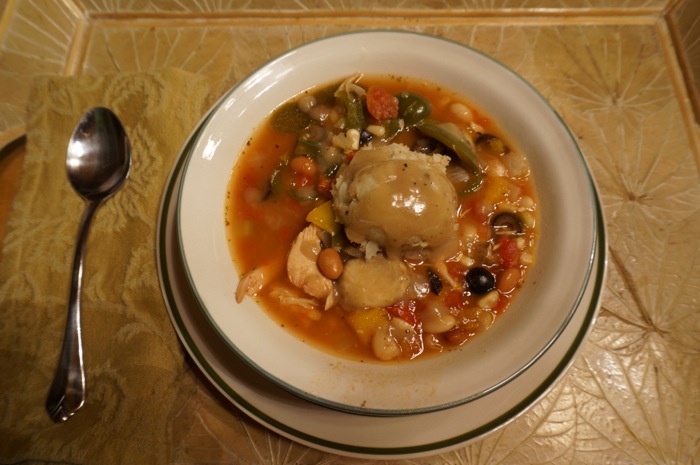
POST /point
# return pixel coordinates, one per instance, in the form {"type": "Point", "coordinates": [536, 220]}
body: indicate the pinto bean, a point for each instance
{"type": "Point", "coordinates": [507, 280]}
{"type": "Point", "coordinates": [330, 263]}
{"type": "Point", "coordinates": [303, 165]}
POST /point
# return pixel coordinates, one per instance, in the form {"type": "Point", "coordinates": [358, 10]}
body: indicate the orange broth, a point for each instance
{"type": "Point", "coordinates": [261, 229]}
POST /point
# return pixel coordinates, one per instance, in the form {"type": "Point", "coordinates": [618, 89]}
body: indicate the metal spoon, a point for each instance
{"type": "Point", "coordinates": [97, 163]}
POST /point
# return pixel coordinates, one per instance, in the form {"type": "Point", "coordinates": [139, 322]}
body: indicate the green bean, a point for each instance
{"type": "Point", "coordinates": [354, 114]}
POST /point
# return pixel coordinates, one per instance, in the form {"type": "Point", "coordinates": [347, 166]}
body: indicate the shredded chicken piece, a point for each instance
{"type": "Point", "coordinates": [252, 282]}
{"type": "Point", "coordinates": [441, 269]}
{"type": "Point", "coordinates": [306, 306]}
{"type": "Point", "coordinates": [302, 267]}
{"type": "Point", "coordinates": [350, 85]}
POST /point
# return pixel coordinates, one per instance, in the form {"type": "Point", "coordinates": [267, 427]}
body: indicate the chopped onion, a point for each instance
{"type": "Point", "coordinates": [458, 176]}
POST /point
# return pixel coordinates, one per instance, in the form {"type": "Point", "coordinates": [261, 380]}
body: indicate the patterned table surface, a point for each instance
{"type": "Point", "coordinates": [622, 75]}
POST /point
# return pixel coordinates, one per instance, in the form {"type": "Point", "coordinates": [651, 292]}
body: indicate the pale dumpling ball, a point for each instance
{"type": "Point", "coordinates": [400, 200]}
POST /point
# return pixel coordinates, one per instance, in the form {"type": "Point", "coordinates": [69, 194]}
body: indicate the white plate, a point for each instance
{"type": "Point", "coordinates": [346, 433]}
{"type": "Point", "coordinates": [536, 318]}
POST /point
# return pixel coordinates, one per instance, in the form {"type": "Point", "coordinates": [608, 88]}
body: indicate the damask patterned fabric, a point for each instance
{"type": "Point", "coordinates": [132, 354]}
{"type": "Point", "coordinates": [631, 397]}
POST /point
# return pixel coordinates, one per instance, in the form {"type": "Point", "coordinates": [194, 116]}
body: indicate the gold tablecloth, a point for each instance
{"type": "Point", "coordinates": [133, 358]}
{"type": "Point", "coordinates": [609, 68]}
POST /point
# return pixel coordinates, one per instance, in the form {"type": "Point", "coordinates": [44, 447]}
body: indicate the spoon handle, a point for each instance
{"type": "Point", "coordinates": [67, 392]}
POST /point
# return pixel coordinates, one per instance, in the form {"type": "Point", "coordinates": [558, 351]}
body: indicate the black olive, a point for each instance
{"type": "Point", "coordinates": [435, 282]}
{"type": "Point", "coordinates": [428, 145]}
{"type": "Point", "coordinates": [506, 224]}
{"type": "Point", "coordinates": [365, 137]}
{"type": "Point", "coordinates": [480, 280]}
{"type": "Point", "coordinates": [492, 143]}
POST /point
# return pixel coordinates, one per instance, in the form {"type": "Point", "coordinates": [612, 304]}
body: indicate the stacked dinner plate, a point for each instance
{"type": "Point", "coordinates": [548, 326]}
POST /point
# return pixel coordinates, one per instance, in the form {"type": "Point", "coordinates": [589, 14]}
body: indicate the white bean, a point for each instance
{"type": "Point", "coordinates": [307, 103]}
{"type": "Point", "coordinates": [401, 326]}
{"type": "Point", "coordinates": [470, 233]}
{"type": "Point", "coordinates": [485, 320]}
{"type": "Point", "coordinates": [528, 219]}
{"type": "Point", "coordinates": [496, 167]}
{"type": "Point", "coordinates": [319, 113]}
{"type": "Point", "coordinates": [467, 261]}
{"type": "Point", "coordinates": [526, 202]}
{"type": "Point", "coordinates": [477, 128]}
{"type": "Point", "coordinates": [462, 112]}
{"type": "Point", "coordinates": [436, 318]}
{"type": "Point", "coordinates": [517, 165]}
{"type": "Point", "coordinates": [384, 344]}
{"type": "Point", "coordinates": [489, 301]}
{"type": "Point", "coordinates": [376, 130]}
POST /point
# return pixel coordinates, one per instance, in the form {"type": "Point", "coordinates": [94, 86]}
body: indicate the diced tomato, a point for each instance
{"type": "Point", "coordinates": [324, 185]}
{"type": "Point", "coordinates": [476, 208]}
{"type": "Point", "coordinates": [458, 335]}
{"type": "Point", "coordinates": [454, 298]}
{"type": "Point", "coordinates": [483, 122]}
{"type": "Point", "coordinates": [381, 104]}
{"type": "Point", "coordinates": [509, 253]}
{"type": "Point", "coordinates": [406, 310]}
{"type": "Point", "coordinates": [502, 304]}
{"type": "Point", "coordinates": [301, 180]}
{"type": "Point", "coordinates": [456, 270]}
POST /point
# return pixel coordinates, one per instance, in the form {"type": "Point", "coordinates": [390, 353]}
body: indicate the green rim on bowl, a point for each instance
{"type": "Point", "coordinates": [237, 109]}
{"type": "Point", "coordinates": [183, 314]}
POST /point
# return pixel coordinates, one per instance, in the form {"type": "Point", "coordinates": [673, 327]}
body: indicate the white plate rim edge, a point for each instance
{"type": "Point", "coordinates": [337, 447]}
{"type": "Point", "coordinates": [598, 224]}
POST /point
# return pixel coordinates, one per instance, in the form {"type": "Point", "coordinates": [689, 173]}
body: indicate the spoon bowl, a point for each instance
{"type": "Point", "coordinates": [98, 162]}
{"type": "Point", "coordinates": [98, 159]}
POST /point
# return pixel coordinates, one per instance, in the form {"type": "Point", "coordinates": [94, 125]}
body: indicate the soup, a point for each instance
{"type": "Point", "coordinates": [381, 218]}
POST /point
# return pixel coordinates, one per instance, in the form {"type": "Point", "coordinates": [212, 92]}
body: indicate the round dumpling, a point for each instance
{"type": "Point", "coordinates": [400, 200]}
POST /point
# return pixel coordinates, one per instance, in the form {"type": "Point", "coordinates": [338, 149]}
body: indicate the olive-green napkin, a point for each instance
{"type": "Point", "coordinates": [132, 354]}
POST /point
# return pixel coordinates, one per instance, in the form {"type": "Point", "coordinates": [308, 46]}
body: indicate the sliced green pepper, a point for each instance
{"type": "Point", "coordinates": [289, 119]}
{"type": "Point", "coordinates": [450, 135]}
{"type": "Point", "coordinates": [275, 185]}
{"type": "Point", "coordinates": [391, 128]}
{"type": "Point", "coordinates": [413, 108]}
